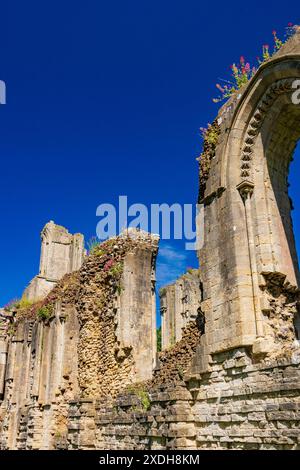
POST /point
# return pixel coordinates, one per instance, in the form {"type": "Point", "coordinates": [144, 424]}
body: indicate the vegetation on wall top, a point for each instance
{"type": "Point", "coordinates": [242, 72]}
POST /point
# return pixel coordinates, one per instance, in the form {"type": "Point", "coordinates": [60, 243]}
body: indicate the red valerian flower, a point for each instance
{"type": "Point", "coordinates": [242, 71]}
{"type": "Point", "coordinates": [108, 264]}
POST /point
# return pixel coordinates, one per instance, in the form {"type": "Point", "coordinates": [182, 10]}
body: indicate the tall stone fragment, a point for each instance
{"type": "Point", "coordinates": [137, 314]}
{"type": "Point", "coordinates": [179, 305]}
{"type": "Point", "coordinates": [61, 253]}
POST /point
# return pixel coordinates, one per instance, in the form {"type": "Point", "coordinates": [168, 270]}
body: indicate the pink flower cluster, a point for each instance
{"type": "Point", "coordinates": [242, 72]}
{"type": "Point", "coordinates": [203, 131]}
{"type": "Point", "coordinates": [108, 264]}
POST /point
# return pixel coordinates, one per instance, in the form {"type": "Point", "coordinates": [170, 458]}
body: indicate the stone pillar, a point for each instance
{"type": "Point", "coordinates": [167, 305]}
{"type": "Point", "coordinates": [137, 316]}
{"type": "Point", "coordinates": [76, 252]}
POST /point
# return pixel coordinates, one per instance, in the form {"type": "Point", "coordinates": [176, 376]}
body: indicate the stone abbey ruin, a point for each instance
{"type": "Point", "coordinates": [78, 362]}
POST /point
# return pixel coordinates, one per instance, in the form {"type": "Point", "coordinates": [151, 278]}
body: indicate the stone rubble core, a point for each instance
{"type": "Point", "coordinates": [99, 336]}
{"type": "Point", "coordinates": [79, 369]}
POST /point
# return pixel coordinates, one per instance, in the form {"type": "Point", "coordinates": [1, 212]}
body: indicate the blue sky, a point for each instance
{"type": "Point", "coordinates": [106, 99]}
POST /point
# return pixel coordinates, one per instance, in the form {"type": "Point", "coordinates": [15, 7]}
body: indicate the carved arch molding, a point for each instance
{"type": "Point", "coordinates": [278, 88]}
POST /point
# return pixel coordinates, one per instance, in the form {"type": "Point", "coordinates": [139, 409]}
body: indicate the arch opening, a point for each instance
{"type": "Point", "coordinates": [280, 143]}
{"type": "Point", "coordinates": [278, 260]}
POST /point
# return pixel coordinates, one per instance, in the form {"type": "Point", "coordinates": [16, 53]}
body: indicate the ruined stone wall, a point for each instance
{"type": "Point", "coordinates": [85, 339]}
{"type": "Point", "coordinates": [239, 404]}
{"type": "Point", "coordinates": [179, 304]}
{"type": "Point", "coordinates": [61, 253]}
{"type": "Point", "coordinates": [40, 379]}
{"type": "Point", "coordinates": [116, 304]}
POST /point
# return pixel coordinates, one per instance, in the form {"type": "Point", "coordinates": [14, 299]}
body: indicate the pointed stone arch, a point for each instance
{"type": "Point", "coordinates": [248, 261]}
